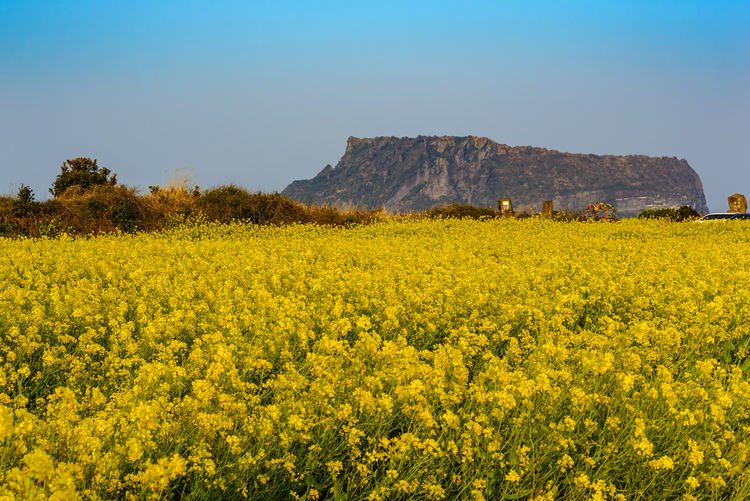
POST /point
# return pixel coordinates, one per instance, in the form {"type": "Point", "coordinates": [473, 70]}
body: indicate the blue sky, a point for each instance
{"type": "Point", "coordinates": [262, 93]}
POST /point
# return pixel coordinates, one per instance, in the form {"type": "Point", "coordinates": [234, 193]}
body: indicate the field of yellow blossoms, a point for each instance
{"type": "Point", "coordinates": [401, 360]}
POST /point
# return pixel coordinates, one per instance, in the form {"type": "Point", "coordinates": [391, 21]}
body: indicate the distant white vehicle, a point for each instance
{"type": "Point", "coordinates": [725, 216]}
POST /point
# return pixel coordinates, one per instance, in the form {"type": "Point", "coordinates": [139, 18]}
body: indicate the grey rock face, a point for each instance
{"type": "Point", "coordinates": [412, 174]}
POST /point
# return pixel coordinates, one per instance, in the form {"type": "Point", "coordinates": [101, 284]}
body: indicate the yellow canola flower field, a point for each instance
{"type": "Point", "coordinates": [403, 360]}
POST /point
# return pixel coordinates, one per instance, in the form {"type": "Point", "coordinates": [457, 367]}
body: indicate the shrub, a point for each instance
{"type": "Point", "coordinates": [101, 209]}
{"type": "Point", "coordinates": [24, 204]}
{"type": "Point", "coordinates": [7, 216]}
{"type": "Point", "coordinates": [230, 203]}
{"type": "Point", "coordinates": [164, 204]}
{"type": "Point", "coordinates": [565, 216]}
{"type": "Point", "coordinates": [684, 213]}
{"type": "Point", "coordinates": [82, 172]}
{"type": "Point", "coordinates": [125, 215]}
{"type": "Point", "coordinates": [460, 211]}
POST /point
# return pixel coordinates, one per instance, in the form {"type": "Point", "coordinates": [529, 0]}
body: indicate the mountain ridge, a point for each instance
{"type": "Point", "coordinates": [411, 174]}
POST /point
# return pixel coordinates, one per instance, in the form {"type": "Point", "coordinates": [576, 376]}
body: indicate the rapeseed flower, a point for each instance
{"type": "Point", "coordinates": [432, 359]}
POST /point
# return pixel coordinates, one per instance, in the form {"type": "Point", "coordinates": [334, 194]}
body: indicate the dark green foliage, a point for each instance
{"type": "Point", "coordinates": [6, 229]}
{"type": "Point", "coordinates": [82, 172]}
{"type": "Point", "coordinates": [21, 215]}
{"type": "Point", "coordinates": [25, 195]}
{"type": "Point", "coordinates": [558, 215]}
{"type": "Point", "coordinates": [461, 211]}
{"type": "Point", "coordinates": [232, 203]}
{"type": "Point", "coordinates": [7, 216]}
{"type": "Point", "coordinates": [125, 215]}
{"type": "Point", "coordinates": [24, 204]}
{"type": "Point", "coordinates": [684, 213]}
{"type": "Point", "coordinates": [102, 208]}
{"type": "Point", "coordinates": [95, 207]}
{"type": "Point", "coordinates": [565, 216]}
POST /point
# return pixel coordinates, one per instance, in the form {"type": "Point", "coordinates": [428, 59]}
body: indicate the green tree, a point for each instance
{"type": "Point", "coordinates": [82, 172]}
{"type": "Point", "coordinates": [24, 203]}
{"type": "Point", "coordinates": [25, 195]}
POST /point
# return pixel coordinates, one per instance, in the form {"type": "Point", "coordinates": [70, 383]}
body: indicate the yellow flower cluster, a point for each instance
{"type": "Point", "coordinates": [406, 359]}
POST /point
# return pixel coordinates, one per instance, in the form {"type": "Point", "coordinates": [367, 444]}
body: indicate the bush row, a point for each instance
{"type": "Point", "coordinates": [684, 213]}
{"type": "Point", "coordinates": [107, 208]}
{"type": "Point", "coordinates": [88, 200]}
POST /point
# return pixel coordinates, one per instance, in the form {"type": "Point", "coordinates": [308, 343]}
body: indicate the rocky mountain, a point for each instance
{"type": "Point", "coordinates": [412, 174]}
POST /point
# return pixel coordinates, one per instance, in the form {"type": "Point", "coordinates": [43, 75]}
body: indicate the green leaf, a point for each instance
{"type": "Point", "coordinates": [338, 493]}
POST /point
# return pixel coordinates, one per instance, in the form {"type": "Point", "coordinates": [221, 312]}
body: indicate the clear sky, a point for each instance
{"type": "Point", "coordinates": [260, 93]}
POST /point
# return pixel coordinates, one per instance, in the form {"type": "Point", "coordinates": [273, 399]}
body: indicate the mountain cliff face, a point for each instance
{"type": "Point", "coordinates": [412, 174]}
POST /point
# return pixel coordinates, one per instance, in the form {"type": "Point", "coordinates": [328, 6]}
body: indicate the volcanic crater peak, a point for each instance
{"type": "Point", "coordinates": [411, 174]}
